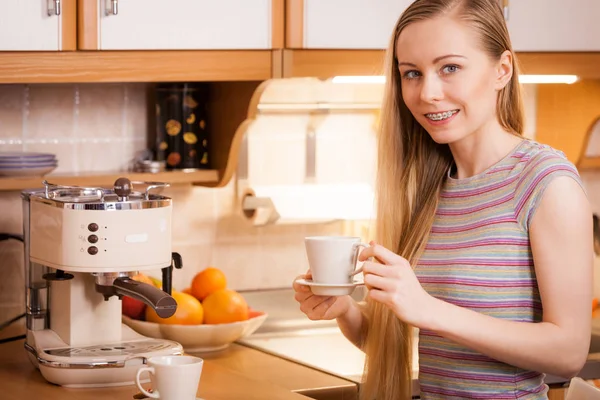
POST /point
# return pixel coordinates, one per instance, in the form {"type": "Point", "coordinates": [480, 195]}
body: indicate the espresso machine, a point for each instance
{"type": "Point", "coordinates": [82, 247]}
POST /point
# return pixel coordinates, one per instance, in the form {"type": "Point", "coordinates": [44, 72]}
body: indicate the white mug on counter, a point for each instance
{"type": "Point", "coordinates": [332, 259]}
{"type": "Point", "coordinates": [172, 377]}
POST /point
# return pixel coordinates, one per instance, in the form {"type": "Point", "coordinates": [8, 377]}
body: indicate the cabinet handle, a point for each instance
{"type": "Point", "coordinates": [53, 7]}
{"type": "Point", "coordinates": [505, 9]}
{"type": "Point", "coordinates": [113, 7]}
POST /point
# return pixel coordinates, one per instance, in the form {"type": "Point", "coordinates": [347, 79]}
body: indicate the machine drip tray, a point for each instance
{"type": "Point", "coordinates": [112, 350]}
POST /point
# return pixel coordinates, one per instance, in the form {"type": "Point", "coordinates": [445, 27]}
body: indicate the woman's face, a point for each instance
{"type": "Point", "coordinates": [448, 83]}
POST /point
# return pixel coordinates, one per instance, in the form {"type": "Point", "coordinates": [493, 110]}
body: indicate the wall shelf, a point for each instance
{"type": "Point", "coordinates": [137, 66]}
{"type": "Point", "coordinates": [234, 65]}
{"type": "Point", "coordinates": [198, 177]}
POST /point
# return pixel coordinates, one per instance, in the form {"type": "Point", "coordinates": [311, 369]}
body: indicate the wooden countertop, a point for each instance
{"type": "Point", "coordinates": [260, 366]}
{"type": "Point", "coordinates": [235, 373]}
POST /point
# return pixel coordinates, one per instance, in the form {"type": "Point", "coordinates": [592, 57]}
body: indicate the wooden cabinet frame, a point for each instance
{"type": "Point", "coordinates": [87, 20]}
{"type": "Point", "coordinates": [69, 25]}
{"type": "Point", "coordinates": [91, 65]}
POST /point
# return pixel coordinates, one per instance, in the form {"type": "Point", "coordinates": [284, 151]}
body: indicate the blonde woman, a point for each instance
{"type": "Point", "coordinates": [484, 238]}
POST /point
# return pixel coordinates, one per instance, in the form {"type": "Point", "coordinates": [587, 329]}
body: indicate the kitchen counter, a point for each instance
{"type": "Point", "coordinates": [289, 334]}
{"type": "Point", "coordinates": [235, 373]}
{"type": "Point", "coordinates": [260, 366]}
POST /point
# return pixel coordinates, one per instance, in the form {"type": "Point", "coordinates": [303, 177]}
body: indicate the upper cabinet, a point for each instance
{"type": "Point", "coordinates": [341, 24]}
{"type": "Point", "coordinates": [554, 25]}
{"type": "Point", "coordinates": [180, 24]}
{"type": "Point", "coordinates": [38, 25]}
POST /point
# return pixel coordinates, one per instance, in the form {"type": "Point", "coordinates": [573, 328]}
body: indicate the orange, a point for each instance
{"type": "Point", "coordinates": [207, 281]}
{"type": "Point", "coordinates": [187, 291]}
{"type": "Point", "coordinates": [224, 306]}
{"type": "Point", "coordinates": [143, 278]}
{"type": "Point", "coordinates": [189, 311]}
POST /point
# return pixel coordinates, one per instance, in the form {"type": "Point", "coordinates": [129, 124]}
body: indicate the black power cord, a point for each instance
{"type": "Point", "coordinates": [12, 339]}
{"type": "Point", "coordinates": [6, 236]}
{"type": "Point", "coordinates": [12, 321]}
{"type": "Point", "coordinates": [6, 324]}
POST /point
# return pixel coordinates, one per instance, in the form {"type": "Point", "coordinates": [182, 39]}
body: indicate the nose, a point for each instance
{"type": "Point", "coordinates": [431, 89]}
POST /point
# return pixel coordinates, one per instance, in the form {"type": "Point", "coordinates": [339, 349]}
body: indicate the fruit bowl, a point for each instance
{"type": "Point", "coordinates": [199, 338]}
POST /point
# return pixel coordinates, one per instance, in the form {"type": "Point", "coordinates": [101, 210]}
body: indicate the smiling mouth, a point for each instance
{"type": "Point", "coordinates": [441, 116]}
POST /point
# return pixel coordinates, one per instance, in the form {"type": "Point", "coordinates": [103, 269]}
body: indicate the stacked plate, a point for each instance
{"type": "Point", "coordinates": [26, 164]}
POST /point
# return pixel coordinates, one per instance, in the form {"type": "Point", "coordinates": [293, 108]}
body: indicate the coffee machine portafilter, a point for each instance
{"type": "Point", "coordinates": [83, 245]}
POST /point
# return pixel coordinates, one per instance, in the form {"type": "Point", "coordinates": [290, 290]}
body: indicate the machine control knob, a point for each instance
{"type": "Point", "coordinates": [93, 227]}
{"type": "Point", "coordinates": [93, 239]}
{"type": "Point", "coordinates": [122, 187]}
{"type": "Point", "coordinates": [93, 250]}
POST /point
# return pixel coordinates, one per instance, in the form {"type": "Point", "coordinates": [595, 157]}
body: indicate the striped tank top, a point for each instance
{"type": "Point", "coordinates": [478, 256]}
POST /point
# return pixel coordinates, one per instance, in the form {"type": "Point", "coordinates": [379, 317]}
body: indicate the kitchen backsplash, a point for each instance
{"type": "Point", "coordinates": [100, 127]}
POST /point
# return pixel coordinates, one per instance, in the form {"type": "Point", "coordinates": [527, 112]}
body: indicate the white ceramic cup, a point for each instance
{"type": "Point", "coordinates": [172, 377]}
{"type": "Point", "coordinates": [332, 259]}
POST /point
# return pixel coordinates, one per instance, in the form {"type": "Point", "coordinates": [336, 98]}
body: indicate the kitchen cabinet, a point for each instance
{"type": "Point", "coordinates": [180, 24]}
{"type": "Point", "coordinates": [38, 25]}
{"type": "Point", "coordinates": [341, 24]}
{"type": "Point", "coordinates": [554, 25]}
{"type": "Point", "coordinates": [556, 394]}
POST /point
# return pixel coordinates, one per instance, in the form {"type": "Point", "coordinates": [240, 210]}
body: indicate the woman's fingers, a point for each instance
{"type": "Point", "coordinates": [379, 282]}
{"type": "Point", "coordinates": [302, 295]}
{"type": "Point", "coordinates": [384, 255]}
{"type": "Point", "coordinates": [320, 309]}
{"type": "Point", "coordinates": [378, 295]}
{"type": "Point", "coordinates": [309, 305]}
{"type": "Point", "coordinates": [374, 268]}
{"type": "Point", "coordinates": [299, 287]}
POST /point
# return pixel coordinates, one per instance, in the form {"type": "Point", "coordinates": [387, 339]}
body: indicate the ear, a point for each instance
{"type": "Point", "coordinates": [504, 70]}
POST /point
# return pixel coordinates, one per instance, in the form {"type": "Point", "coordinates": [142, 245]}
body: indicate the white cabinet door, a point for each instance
{"type": "Point", "coordinates": [350, 24]}
{"type": "Point", "coordinates": [554, 25]}
{"type": "Point", "coordinates": [26, 25]}
{"type": "Point", "coordinates": [185, 24]}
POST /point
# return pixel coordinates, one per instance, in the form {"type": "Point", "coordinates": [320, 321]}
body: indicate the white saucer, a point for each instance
{"type": "Point", "coordinates": [330, 289]}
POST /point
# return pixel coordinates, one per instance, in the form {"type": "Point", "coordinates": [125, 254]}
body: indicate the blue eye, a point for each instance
{"type": "Point", "coordinates": [412, 74]}
{"type": "Point", "coordinates": [449, 69]}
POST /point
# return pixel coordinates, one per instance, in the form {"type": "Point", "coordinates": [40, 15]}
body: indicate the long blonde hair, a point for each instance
{"type": "Point", "coordinates": [412, 169]}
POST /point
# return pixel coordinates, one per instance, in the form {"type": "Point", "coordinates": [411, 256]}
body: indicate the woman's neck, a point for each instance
{"type": "Point", "coordinates": [480, 150]}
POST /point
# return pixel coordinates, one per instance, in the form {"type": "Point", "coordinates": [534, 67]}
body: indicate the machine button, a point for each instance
{"type": "Point", "coordinates": [93, 239]}
{"type": "Point", "coordinates": [93, 227]}
{"type": "Point", "coordinates": [93, 250]}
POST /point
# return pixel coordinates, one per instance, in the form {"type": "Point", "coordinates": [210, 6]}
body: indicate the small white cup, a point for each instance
{"type": "Point", "coordinates": [332, 259]}
{"type": "Point", "coordinates": [172, 377]}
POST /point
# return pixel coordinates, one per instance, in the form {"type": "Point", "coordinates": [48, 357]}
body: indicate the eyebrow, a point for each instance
{"type": "Point", "coordinates": [435, 60]}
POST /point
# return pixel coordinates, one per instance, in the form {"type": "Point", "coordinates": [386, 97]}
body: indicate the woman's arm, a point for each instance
{"type": "Point", "coordinates": [353, 324]}
{"type": "Point", "coordinates": [347, 313]}
{"type": "Point", "coordinates": [561, 241]}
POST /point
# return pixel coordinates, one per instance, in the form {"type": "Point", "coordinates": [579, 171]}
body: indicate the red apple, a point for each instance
{"type": "Point", "coordinates": [133, 308]}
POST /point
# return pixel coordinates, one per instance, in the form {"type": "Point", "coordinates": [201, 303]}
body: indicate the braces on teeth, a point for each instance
{"type": "Point", "coordinates": [440, 116]}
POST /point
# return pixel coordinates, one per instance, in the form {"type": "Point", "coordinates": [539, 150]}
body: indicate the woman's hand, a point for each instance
{"type": "Point", "coordinates": [394, 284]}
{"type": "Point", "coordinates": [319, 307]}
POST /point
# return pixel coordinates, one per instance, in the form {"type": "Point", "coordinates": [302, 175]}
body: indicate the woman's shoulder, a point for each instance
{"type": "Point", "coordinates": [538, 158]}
{"type": "Point", "coordinates": [541, 164]}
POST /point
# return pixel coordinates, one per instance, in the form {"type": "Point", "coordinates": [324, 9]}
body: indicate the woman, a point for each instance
{"type": "Point", "coordinates": [484, 238]}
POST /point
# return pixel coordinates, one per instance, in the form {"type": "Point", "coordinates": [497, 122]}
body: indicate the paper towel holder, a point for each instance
{"type": "Point", "coordinates": [260, 210]}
